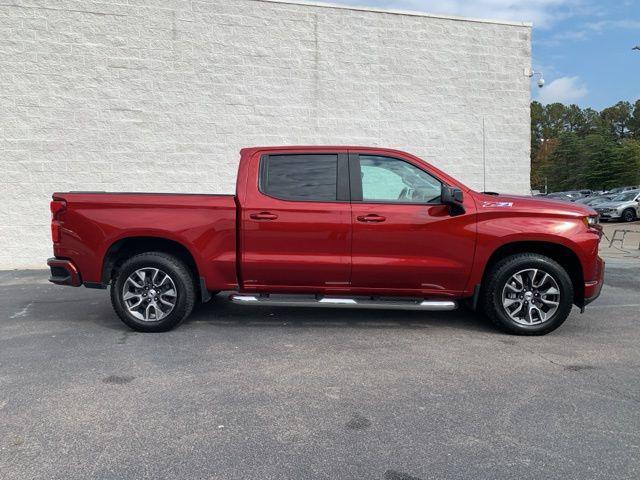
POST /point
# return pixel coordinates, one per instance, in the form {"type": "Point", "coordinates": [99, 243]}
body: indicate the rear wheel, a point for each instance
{"type": "Point", "coordinates": [629, 215]}
{"type": "Point", "coordinates": [153, 292]}
{"type": "Point", "coordinates": [528, 294]}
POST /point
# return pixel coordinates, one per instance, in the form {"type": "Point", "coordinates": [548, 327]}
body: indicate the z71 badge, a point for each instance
{"type": "Point", "coordinates": [497, 204]}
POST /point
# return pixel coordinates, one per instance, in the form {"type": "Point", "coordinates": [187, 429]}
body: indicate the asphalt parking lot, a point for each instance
{"type": "Point", "coordinates": [629, 248]}
{"type": "Point", "coordinates": [260, 393]}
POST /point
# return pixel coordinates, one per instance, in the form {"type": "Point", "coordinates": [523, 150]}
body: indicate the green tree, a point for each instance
{"type": "Point", "coordinates": [540, 164]}
{"type": "Point", "coordinates": [625, 165]}
{"type": "Point", "coordinates": [537, 126]}
{"type": "Point", "coordinates": [574, 119]}
{"type": "Point", "coordinates": [565, 167]}
{"type": "Point", "coordinates": [634, 123]}
{"type": "Point", "coordinates": [618, 118]}
{"type": "Point", "coordinates": [591, 122]}
{"type": "Point", "coordinates": [599, 151]}
{"type": "Point", "coordinates": [554, 121]}
{"type": "Point", "coordinates": [574, 148]}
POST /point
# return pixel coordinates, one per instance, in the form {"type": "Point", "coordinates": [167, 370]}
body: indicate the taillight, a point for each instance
{"type": "Point", "coordinates": [57, 207]}
{"type": "Point", "coordinates": [55, 231]}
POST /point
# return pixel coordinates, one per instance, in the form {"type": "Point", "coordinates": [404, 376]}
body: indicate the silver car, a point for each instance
{"type": "Point", "coordinates": [624, 206]}
{"type": "Point", "coordinates": [617, 190]}
{"type": "Point", "coordinates": [595, 200]}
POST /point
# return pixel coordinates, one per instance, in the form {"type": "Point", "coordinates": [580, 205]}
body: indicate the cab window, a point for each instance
{"type": "Point", "coordinates": [386, 179]}
{"type": "Point", "coordinates": [300, 177]}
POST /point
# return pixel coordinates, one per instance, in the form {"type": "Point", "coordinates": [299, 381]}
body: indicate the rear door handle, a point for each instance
{"type": "Point", "coordinates": [372, 217]}
{"type": "Point", "coordinates": [263, 216]}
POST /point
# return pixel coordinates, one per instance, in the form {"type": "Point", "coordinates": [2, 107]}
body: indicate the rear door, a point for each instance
{"type": "Point", "coordinates": [404, 239]}
{"type": "Point", "coordinates": [296, 222]}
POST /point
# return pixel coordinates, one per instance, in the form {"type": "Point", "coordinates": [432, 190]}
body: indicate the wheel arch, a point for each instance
{"type": "Point", "coordinates": [124, 248]}
{"type": "Point", "coordinates": [562, 254]}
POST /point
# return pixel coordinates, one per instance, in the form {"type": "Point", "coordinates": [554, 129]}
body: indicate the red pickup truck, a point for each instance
{"type": "Point", "coordinates": [347, 227]}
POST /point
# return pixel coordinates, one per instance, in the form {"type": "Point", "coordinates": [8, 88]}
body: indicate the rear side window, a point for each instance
{"type": "Point", "coordinates": [300, 177]}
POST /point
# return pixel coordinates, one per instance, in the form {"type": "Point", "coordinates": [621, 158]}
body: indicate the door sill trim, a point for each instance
{"type": "Point", "coordinates": [342, 302]}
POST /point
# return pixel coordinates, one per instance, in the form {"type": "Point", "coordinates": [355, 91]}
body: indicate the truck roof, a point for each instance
{"type": "Point", "coordinates": [248, 152]}
{"type": "Point", "coordinates": [312, 148]}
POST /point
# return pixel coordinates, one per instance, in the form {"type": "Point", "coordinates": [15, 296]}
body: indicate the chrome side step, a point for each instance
{"type": "Point", "coordinates": [345, 302]}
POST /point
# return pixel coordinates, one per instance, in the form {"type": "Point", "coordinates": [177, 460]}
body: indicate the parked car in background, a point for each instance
{"type": "Point", "coordinates": [577, 194]}
{"type": "Point", "coordinates": [594, 200]}
{"type": "Point", "coordinates": [625, 207]}
{"type": "Point", "coordinates": [622, 189]}
{"type": "Point", "coordinates": [570, 196]}
{"type": "Point", "coordinates": [558, 196]}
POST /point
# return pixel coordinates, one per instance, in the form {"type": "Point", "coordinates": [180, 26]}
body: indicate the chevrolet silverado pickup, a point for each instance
{"type": "Point", "coordinates": [346, 227]}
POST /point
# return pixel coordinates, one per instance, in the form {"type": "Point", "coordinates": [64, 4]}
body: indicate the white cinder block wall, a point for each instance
{"type": "Point", "coordinates": [159, 95]}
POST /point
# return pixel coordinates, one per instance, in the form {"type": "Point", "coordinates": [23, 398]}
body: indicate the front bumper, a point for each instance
{"type": "Point", "coordinates": [613, 215]}
{"type": "Point", "coordinates": [593, 288]}
{"type": "Point", "coordinates": [64, 272]}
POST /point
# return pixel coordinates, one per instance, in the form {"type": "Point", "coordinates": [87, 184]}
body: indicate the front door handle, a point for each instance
{"type": "Point", "coordinates": [372, 217]}
{"type": "Point", "coordinates": [263, 216]}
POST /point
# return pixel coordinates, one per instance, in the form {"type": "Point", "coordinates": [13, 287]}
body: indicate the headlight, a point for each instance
{"type": "Point", "coordinates": [591, 221]}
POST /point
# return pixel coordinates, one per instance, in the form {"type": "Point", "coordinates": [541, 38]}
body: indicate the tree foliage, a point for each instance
{"type": "Point", "coordinates": [574, 148]}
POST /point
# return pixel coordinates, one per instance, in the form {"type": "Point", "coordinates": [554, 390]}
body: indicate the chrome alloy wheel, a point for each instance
{"type": "Point", "coordinates": [531, 296]}
{"type": "Point", "coordinates": [149, 294]}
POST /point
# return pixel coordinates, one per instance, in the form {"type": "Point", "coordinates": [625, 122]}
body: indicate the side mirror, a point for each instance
{"type": "Point", "coordinates": [454, 198]}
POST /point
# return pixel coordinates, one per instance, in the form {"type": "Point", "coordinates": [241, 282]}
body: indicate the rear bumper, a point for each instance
{"type": "Point", "coordinates": [593, 288]}
{"type": "Point", "coordinates": [64, 272]}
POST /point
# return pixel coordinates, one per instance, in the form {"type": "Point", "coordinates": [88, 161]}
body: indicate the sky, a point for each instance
{"type": "Point", "coordinates": [582, 47]}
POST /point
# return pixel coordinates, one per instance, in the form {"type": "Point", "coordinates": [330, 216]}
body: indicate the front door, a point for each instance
{"type": "Point", "coordinates": [404, 239]}
{"type": "Point", "coordinates": [296, 223]}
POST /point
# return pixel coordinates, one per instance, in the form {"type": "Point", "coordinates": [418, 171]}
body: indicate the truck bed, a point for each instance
{"type": "Point", "coordinates": [205, 225]}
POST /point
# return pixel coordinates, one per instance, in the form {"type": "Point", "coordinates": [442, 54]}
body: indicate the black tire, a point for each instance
{"type": "Point", "coordinates": [629, 215]}
{"type": "Point", "coordinates": [503, 271]}
{"type": "Point", "coordinates": [179, 274]}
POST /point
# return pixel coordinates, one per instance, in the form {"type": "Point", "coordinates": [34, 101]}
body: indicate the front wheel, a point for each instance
{"type": "Point", "coordinates": [153, 292]}
{"type": "Point", "coordinates": [528, 294]}
{"type": "Point", "coordinates": [629, 215]}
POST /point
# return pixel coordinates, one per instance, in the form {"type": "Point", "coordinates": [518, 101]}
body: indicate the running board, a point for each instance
{"type": "Point", "coordinates": [333, 302]}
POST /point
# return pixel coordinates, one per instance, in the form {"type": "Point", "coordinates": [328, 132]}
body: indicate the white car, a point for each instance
{"type": "Point", "coordinates": [624, 206]}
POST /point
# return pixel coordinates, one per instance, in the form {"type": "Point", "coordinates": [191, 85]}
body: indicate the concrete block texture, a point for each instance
{"type": "Point", "coordinates": [160, 95]}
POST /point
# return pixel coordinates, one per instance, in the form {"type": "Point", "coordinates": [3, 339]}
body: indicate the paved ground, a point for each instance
{"type": "Point", "coordinates": [630, 248]}
{"type": "Point", "coordinates": [250, 393]}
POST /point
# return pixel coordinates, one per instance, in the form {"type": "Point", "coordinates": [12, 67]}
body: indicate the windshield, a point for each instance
{"type": "Point", "coordinates": [625, 197]}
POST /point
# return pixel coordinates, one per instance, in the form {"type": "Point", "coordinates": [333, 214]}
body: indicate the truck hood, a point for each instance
{"type": "Point", "coordinates": [533, 204]}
